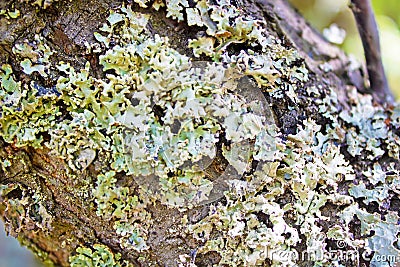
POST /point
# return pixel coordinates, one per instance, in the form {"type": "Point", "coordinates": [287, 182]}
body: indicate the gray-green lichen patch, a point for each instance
{"type": "Point", "coordinates": [10, 14]}
{"type": "Point", "coordinates": [131, 220]}
{"type": "Point", "coordinates": [42, 3]}
{"type": "Point", "coordinates": [143, 143]}
{"type": "Point", "coordinates": [190, 132]}
{"type": "Point", "coordinates": [254, 229]}
{"type": "Point", "coordinates": [34, 56]}
{"type": "Point", "coordinates": [98, 256]}
{"type": "Point", "coordinates": [241, 222]}
{"type": "Point", "coordinates": [25, 112]}
{"type": "Point", "coordinates": [23, 208]}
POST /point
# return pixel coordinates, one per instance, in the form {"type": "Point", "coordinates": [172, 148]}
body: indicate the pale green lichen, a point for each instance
{"type": "Point", "coordinates": [10, 14]}
{"type": "Point", "coordinates": [26, 209]}
{"type": "Point", "coordinates": [25, 110]}
{"type": "Point", "coordinates": [370, 121]}
{"type": "Point", "coordinates": [34, 56]}
{"type": "Point", "coordinates": [197, 90]}
{"type": "Point", "coordinates": [6, 163]}
{"type": "Point", "coordinates": [382, 241]}
{"type": "Point", "coordinates": [158, 117]}
{"type": "Point", "coordinates": [14, 14]}
{"type": "Point", "coordinates": [42, 3]}
{"type": "Point", "coordinates": [313, 163]}
{"type": "Point", "coordinates": [132, 236]}
{"type": "Point", "coordinates": [98, 256]}
{"type": "Point", "coordinates": [131, 221]}
{"type": "Point", "coordinates": [378, 194]}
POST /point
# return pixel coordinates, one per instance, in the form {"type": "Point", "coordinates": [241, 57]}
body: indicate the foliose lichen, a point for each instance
{"type": "Point", "coordinates": [161, 118]}
{"type": "Point", "coordinates": [98, 256]}
{"type": "Point", "coordinates": [10, 14]}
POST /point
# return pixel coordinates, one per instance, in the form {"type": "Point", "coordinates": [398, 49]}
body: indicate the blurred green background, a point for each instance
{"type": "Point", "coordinates": [323, 15]}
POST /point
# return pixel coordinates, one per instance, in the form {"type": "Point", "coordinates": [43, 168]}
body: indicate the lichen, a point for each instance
{"type": "Point", "coordinates": [191, 132]}
{"type": "Point", "coordinates": [131, 220]}
{"type": "Point", "coordinates": [42, 3]}
{"type": "Point", "coordinates": [25, 112]}
{"type": "Point", "coordinates": [98, 256]}
{"type": "Point", "coordinates": [10, 14]}
{"type": "Point", "coordinates": [23, 206]}
{"type": "Point", "coordinates": [382, 231]}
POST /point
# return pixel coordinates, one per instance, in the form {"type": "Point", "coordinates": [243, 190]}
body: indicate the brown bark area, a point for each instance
{"type": "Point", "coordinates": [67, 26]}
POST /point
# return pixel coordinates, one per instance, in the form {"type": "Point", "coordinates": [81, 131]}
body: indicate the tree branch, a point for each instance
{"type": "Point", "coordinates": [368, 30]}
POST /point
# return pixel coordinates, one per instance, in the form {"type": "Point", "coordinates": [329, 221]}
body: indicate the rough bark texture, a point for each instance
{"type": "Point", "coordinates": [50, 208]}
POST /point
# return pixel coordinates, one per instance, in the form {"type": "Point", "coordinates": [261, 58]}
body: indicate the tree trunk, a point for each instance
{"type": "Point", "coordinates": [106, 134]}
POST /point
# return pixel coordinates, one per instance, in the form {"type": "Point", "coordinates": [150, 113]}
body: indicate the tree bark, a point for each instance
{"type": "Point", "coordinates": [52, 208]}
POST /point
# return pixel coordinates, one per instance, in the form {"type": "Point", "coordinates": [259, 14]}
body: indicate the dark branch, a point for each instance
{"type": "Point", "coordinates": [368, 30]}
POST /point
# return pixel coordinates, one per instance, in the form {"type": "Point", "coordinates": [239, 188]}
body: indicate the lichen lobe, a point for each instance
{"type": "Point", "coordinates": [158, 130]}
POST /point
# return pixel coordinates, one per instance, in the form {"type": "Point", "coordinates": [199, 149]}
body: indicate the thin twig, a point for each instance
{"type": "Point", "coordinates": [368, 30]}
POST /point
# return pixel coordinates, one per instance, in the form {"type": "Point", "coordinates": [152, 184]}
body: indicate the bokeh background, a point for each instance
{"type": "Point", "coordinates": [334, 19]}
{"type": "Point", "coordinates": [12, 254]}
{"type": "Point", "coordinates": [325, 14]}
